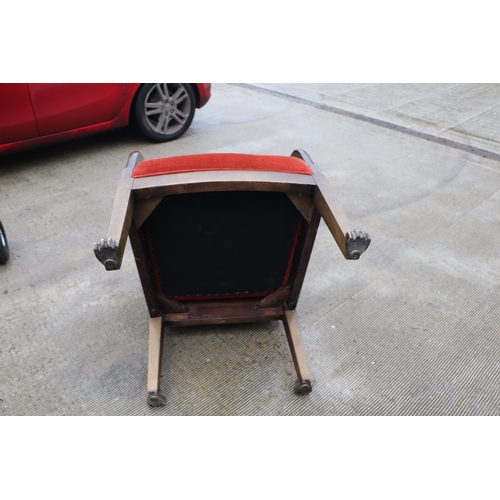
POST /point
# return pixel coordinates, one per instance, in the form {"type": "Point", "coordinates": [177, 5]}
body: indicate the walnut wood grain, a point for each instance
{"type": "Point", "coordinates": [238, 180]}
{"type": "Point", "coordinates": [298, 351]}
{"type": "Point", "coordinates": [171, 305]}
{"type": "Point", "coordinates": [303, 203]}
{"type": "Point", "coordinates": [328, 205]}
{"type": "Point", "coordinates": [276, 298]}
{"type": "Point", "coordinates": [155, 349]}
{"type": "Point", "coordinates": [143, 209]}
{"type": "Point", "coordinates": [110, 250]}
{"type": "Point", "coordinates": [216, 312]}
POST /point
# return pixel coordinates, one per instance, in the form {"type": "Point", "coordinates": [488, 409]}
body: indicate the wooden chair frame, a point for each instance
{"type": "Point", "coordinates": [135, 200]}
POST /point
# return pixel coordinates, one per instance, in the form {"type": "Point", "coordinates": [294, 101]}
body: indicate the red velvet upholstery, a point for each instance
{"type": "Point", "coordinates": [220, 161]}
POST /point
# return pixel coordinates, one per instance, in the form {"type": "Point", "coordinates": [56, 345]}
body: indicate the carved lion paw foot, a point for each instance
{"type": "Point", "coordinates": [108, 253]}
{"type": "Point", "coordinates": [357, 243]}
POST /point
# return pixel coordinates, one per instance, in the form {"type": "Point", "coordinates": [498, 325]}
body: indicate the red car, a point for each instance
{"type": "Point", "coordinates": [32, 114]}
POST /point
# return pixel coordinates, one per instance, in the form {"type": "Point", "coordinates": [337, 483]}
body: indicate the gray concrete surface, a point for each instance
{"type": "Point", "coordinates": [410, 329]}
{"type": "Point", "coordinates": [468, 113]}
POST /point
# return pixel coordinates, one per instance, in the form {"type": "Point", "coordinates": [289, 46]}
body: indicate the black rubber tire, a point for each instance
{"type": "Point", "coordinates": [4, 246]}
{"type": "Point", "coordinates": [180, 115]}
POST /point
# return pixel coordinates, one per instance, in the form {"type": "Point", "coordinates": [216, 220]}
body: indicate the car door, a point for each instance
{"type": "Point", "coordinates": [60, 107]}
{"type": "Point", "coordinates": [17, 120]}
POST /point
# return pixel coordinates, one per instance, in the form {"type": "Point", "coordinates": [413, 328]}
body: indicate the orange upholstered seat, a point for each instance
{"type": "Point", "coordinates": [220, 161]}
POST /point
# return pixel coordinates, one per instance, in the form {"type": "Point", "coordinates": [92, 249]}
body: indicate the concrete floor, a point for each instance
{"type": "Point", "coordinates": [410, 329]}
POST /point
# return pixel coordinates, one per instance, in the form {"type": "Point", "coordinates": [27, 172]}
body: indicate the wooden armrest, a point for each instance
{"type": "Point", "coordinates": [109, 251]}
{"type": "Point", "coordinates": [352, 243]}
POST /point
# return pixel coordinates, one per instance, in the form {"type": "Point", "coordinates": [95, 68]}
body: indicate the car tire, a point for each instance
{"type": "Point", "coordinates": [164, 111]}
{"type": "Point", "coordinates": [4, 246]}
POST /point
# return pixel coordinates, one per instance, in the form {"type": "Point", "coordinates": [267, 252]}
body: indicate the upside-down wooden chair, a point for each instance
{"type": "Point", "coordinates": [223, 238]}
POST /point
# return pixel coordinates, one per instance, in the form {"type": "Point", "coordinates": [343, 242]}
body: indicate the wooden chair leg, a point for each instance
{"type": "Point", "coordinates": [155, 398]}
{"type": "Point", "coordinates": [294, 337]}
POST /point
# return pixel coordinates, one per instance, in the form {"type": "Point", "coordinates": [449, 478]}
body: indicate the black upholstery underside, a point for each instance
{"type": "Point", "coordinates": [222, 243]}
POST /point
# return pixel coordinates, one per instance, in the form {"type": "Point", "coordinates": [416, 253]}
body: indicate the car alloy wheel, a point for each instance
{"type": "Point", "coordinates": [164, 111]}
